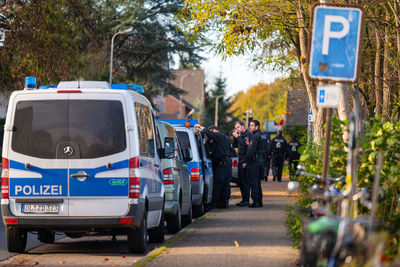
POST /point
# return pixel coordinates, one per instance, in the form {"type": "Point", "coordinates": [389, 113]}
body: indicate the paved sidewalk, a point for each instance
{"type": "Point", "coordinates": [238, 236]}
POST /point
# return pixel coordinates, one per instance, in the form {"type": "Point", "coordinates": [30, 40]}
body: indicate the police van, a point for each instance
{"type": "Point", "coordinates": [198, 162]}
{"type": "Point", "coordinates": [81, 157]}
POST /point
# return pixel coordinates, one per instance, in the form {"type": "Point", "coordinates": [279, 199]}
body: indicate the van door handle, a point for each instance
{"type": "Point", "coordinates": [80, 174]}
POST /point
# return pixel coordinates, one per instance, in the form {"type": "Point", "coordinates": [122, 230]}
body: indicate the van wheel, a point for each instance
{"type": "Point", "coordinates": [187, 218]}
{"type": "Point", "coordinates": [156, 235]}
{"type": "Point", "coordinates": [45, 236]}
{"type": "Point", "coordinates": [198, 210]}
{"type": "Point", "coordinates": [16, 239]}
{"type": "Point", "coordinates": [137, 239]}
{"type": "Point", "coordinates": [74, 235]}
{"type": "Point", "coordinates": [174, 222]}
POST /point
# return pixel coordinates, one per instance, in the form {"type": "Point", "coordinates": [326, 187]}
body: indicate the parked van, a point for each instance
{"type": "Point", "coordinates": [178, 190]}
{"type": "Point", "coordinates": [81, 158]}
{"type": "Point", "coordinates": [199, 164]}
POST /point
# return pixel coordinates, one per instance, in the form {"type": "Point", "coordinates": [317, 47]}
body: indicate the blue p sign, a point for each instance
{"type": "Point", "coordinates": [335, 43]}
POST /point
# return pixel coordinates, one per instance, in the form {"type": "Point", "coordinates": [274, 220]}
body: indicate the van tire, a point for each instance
{"type": "Point", "coordinates": [156, 235]}
{"type": "Point", "coordinates": [16, 239]}
{"type": "Point", "coordinates": [198, 210]}
{"type": "Point", "coordinates": [174, 222]}
{"type": "Point", "coordinates": [187, 218]}
{"type": "Point", "coordinates": [46, 237]}
{"type": "Point", "coordinates": [137, 239]}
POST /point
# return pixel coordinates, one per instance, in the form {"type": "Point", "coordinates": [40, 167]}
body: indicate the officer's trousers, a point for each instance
{"type": "Point", "coordinates": [267, 166]}
{"type": "Point", "coordinates": [255, 173]}
{"type": "Point", "coordinates": [243, 182]}
{"type": "Point", "coordinates": [221, 184]}
{"type": "Point", "coordinates": [293, 166]}
{"type": "Point", "coordinates": [277, 166]}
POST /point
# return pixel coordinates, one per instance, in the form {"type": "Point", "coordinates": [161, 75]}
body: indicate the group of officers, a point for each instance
{"type": "Point", "coordinates": [255, 151]}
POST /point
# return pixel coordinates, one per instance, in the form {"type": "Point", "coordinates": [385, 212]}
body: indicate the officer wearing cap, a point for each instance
{"type": "Point", "coordinates": [255, 163]}
{"type": "Point", "coordinates": [240, 136]}
{"type": "Point", "coordinates": [278, 150]}
{"type": "Point", "coordinates": [293, 155]}
{"type": "Point", "coordinates": [223, 165]}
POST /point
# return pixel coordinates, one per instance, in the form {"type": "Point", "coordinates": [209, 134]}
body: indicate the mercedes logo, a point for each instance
{"type": "Point", "coordinates": [68, 151]}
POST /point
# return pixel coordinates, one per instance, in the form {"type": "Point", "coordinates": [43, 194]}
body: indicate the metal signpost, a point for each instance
{"type": "Point", "coordinates": [334, 56]}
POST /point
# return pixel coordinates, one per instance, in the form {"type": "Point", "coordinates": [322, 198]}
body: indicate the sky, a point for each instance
{"type": "Point", "coordinates": [237, 71]}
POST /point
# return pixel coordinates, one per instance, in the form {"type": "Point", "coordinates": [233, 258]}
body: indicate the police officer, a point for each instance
{"type": "Point", "coordinates": [278, 150]}
{"type": "Point", "coordinates": [293, 155]}
{"type": "Point", "coordinates": [240, 137]}
{"type": "Point", "coordinates": [223, 165]}
{"type": "Point", "coordinates": [267, 160]}
{"type": "Point", "coordinates": [254, 163]}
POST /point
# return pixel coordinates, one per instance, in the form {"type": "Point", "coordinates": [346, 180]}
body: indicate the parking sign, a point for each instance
{"type": "Point", "coordinates": [335, 42]}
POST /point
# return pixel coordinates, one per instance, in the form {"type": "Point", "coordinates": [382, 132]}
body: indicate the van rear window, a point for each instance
{"type": "Point", "coordinates": [184, 139]}
{"type": "Point", "coordinates": [94, 128]}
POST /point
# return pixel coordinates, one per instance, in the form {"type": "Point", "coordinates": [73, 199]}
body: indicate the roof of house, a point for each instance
{"type": "Point", "coordinates": [191, 81]}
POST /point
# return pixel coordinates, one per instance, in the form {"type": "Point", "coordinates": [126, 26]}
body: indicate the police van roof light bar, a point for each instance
{"type": "Point", "coordinates": [47, 86]}
{"type": "Point", "coordinates": [180, 122]}
{"type": "Point", "coordinates": [137, 88]}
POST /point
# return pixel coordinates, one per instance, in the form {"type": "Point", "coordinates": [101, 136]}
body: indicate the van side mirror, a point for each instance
{"type": "Point", "coordinates": [188, 154]}
{"type": "Point", "coordinates": [169, 147]}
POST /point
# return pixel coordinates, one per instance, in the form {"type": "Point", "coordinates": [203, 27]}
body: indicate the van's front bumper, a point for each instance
{"type": "Point", "coordinates": [132, 219]}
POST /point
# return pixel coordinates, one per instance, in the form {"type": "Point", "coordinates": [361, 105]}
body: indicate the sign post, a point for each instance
{"type": "Point", "coordinates": [334, 57]}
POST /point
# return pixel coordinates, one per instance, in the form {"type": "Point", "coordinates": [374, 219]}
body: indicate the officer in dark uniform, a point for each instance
{"type": "Point", "coordinates": [240, 137]}
{"type": "Point", "coordinates": [267, 160]}
{"type": "Point", "coordinates": [293, 155]}
{"type": "Point", "coordinates": [278, 150]}
{"type": "Point", "coordinates": [255, 163]}
{"type": "Point", "coordinates": [223, 165]}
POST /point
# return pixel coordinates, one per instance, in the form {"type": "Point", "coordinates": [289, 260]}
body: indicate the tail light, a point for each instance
{"type": "Point", "coordinates": [134, 181]}
{"type": "Point", "coordinates": [235, 163]}
{"type": "Point", "coordinates": [319, 214]}
{"type": "Point", "coordinates": [195, 174]}
{"type": "Point", "coordinates": [168, 176]}
{"type": "Point", "coordinates": [5, 179]}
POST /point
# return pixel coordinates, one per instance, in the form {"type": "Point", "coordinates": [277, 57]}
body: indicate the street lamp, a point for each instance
{"type": "Point", "coordinates": [181, 87]}
{"type": "Point", "coordinates": [216, 108]}
{"type": "Point", "coordinates": [112, 48]}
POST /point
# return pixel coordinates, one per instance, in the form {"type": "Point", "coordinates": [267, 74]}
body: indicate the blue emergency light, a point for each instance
{"type": "Point", "coordinates": [180, 122]}
{"type": "Point", "coordinates": [137, 88]}
{"type": "Point", "coordinates": [30, 82]}
{"type": "Point", "coordinates": [47, 86]}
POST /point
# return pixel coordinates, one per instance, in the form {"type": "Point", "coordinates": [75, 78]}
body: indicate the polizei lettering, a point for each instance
{"type": "Point", "coordinates": [41, 190]}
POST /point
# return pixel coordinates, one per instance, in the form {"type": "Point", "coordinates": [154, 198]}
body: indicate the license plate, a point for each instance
{"type": "Point", "coordinates": [39, 208]}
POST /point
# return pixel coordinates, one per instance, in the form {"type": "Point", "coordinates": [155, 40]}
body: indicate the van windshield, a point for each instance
{"type": "Point", "coordinates": [94, 128]}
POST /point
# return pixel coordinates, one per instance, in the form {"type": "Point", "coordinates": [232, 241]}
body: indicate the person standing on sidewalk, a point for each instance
{"type": "Point", "coordinates": [240, 136]}
{"type": "Point", "coordinates": [294, 155]}
{"type": "Point", "coordinates": [223, 166]}
{"type": "Point", "coordinates": [278, 150]}
{"type": "Point", "coordinates": [254, 163]}
{"type": "Point", "coordinates": [267, 159]}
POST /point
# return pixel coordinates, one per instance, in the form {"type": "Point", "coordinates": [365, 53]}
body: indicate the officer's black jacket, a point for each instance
{"type": "Point", "coordinates": [293, 149]}
{"type": "Point", "coordinates": [222, 145]}
{"type": "Point", "coordinates": [278, 146]}
{"type": "Point", "coordinates": [257, 146]}
{"type": "Point", "coordinates": [240, 143]}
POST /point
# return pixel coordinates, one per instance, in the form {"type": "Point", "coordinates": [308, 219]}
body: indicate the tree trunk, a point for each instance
{"type": "Point", "coordinates": [357, 109]}
{"type": "Point", "coordinates": [378, 74]}
{"type": "Point", "coordinates": [318, 113]}
{"type": "Point", "coordinates": [344, 107]}
{"type": "Point", "coordinates": [386, 110]}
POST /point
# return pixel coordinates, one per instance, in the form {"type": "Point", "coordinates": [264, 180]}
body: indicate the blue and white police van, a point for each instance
{"type": "Point", "coordinates": [198, 162]}
{"type": "Point", "coordinates": [81, 157]}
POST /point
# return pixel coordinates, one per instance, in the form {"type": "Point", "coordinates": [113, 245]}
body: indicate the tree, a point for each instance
{"type": "Point", "coordinates": [225, 116]}
{"type": "Point", "coordinates": [281, 29]}
{"type": "Point", "coordinates": [266, 100]}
